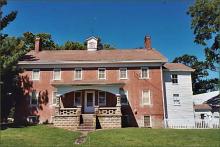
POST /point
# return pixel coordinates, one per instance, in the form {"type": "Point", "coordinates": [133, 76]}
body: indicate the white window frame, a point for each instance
{"type": "Point", "coordinates": [150, 121]}
{"type": "Point", "coordinates": [176, 98]}
{"type": "Point", "coordinates": [125, 74]}
{"type": "Point", "coordinates": [53, 96]}
{"type": "Point", "coordinates": [54, 74]}
{"type": "Point", "coordinates": [125, 93]}
{"type": "Point", "coordinates": [34, 70]}
{"type": "Point", "coordinates": [142, 73]}
{"type": "Point", "coordinates": [103, 104]}
{"type": "Point", "coordinates": [37, 95]}
{"type": "Point", "coordinates": [174, 78]}
{"type": "Point", "coordinates": [75, 78]}
{"type": "Point", "coordinates": [149, 92]}
{"type": "Point", "coordinates": [104, 73]}
{"type": "Point", "coordinates": [75, 98]}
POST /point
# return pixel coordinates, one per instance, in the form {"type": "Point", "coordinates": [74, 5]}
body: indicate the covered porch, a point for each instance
{"type": "Point", "coordinates": [91, 106]}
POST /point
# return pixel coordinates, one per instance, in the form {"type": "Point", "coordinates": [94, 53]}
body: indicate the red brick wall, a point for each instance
{"type": "Point", "coordinates": [133, 85]}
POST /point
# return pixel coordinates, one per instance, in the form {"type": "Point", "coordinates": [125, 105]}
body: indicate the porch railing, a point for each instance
{"type": "Point", "coordinates": [69, 111]}
{"type": "Point", "coordinates": [108, 110]}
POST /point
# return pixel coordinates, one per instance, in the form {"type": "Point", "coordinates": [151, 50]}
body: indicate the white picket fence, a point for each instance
{"type": "Point", "coordinates": [192, 124]}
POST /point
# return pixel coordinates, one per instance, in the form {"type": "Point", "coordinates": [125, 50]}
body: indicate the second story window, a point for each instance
{"type": "Point", "coordinates": [57, 74]}
{"type": "Point", "coordinates": [101, 73]}
{"type": "Point", "coordinates": [144, 73]}
{"type": "Point", "coordinates": [78, 74]}
{"type": "Point", "coordinates": [174, 78]}
{"type": "Point", "coordinates": [36, 74]}
{"type": "Point", "coordinates": [123, 73]}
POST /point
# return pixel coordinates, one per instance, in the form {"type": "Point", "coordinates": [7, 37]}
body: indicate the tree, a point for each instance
{"type": "Point", "coordinates": [46, 40]}
{"type": "Point", "coordinates": [70, 45]}
{"type": "Point", "coordinates": [200, 83]}
{"type": "Point", "coordinates": [206, 25]}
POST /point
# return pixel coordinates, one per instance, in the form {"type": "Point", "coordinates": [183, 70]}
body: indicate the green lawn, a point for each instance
{"type": "Point", "coordinates": [47, 136]}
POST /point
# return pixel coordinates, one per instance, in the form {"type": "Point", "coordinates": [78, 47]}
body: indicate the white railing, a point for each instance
{"type": "Point", "coordinates": [192, 124]}
{"type": "Point", "coordinates": [68, 111]}
{"type": "Point", "coordinates": [107, 111]}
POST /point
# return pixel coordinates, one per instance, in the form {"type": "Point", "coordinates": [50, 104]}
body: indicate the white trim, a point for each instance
{"type": "Point", "coordinates": [87, 65]}
{"type": "Point", "coordinates": [150, 121]}
{"type": "Point", "coordinates": [75, 98]}
{"type": "Point", "coordinates": [126, 73]}
{"type": "Point", "coordinates": [163, 95]}
{"type": "Point", "coordinates": [148, 76]}
{"type": "Point", "coordinates": [98, 99]}
{"type": "Point", "coordinates": [37, 69]}
{"type": "Point", "coordinates": [85, 102]}
{"type": "Point", "coordinates": [59, 74]}
{"type": "Point", "coordinates": [149, 93]}
{"type": "Point", "coordinates": [174, 78]}
{"type": "Point", "coordinates": [104, 73]}
{"type": "Point", "coordinates": [78, 68]}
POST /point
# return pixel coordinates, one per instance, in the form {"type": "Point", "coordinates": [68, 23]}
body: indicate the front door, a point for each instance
{"type": "Point", "coordinates": [89, 101]}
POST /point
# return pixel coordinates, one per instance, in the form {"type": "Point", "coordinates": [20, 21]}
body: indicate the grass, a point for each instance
{"type": "Point", "coordinates": [47, 136]}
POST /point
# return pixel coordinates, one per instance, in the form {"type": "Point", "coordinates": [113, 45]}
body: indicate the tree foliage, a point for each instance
{"type": "Point", "coordinates": [200, 83]}
{"type": "Point", "coordinates": [205, 16]}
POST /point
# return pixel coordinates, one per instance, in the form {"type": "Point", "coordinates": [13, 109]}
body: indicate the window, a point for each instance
{"type": "Point", "coordinates": [176, 99]}
{"type": "Point", "coordinates": [147, 121]}
{"type": "Point", "coordinates": [54, 97]}
{"type": "Point", "coordinates": [34, 98]}
{"type": "Point", "coordinates": [77, 99]}
{"type": "Point", "coordinates": [124, 97]}
{"type": "Point", "coordinates": [78, 74]}
{"type": "Point", "coordinates": [123, 73]}
{"type": "Point", "coordinates": [101, 73]}
{"type": "Point", "coordinates": [102, 98]}
{"type": "Point", "coordinates": [144, 73]}
{"type": "Point", "coordinates": [146, 97]}
{"type": "Point", "coordinates": [56, 74]}
{"type": "Point", "coordinates": [35, 74]}
{"type": "Point", "coordinates": [174, 78]}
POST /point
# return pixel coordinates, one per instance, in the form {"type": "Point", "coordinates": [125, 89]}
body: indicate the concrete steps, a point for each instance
{"type": "Point", "coordinates": [86, 123]}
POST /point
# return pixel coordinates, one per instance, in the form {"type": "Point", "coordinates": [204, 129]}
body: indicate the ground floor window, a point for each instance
{"type": "Point", "coordinates": [147, 121]}
{"type": "Point", "coordinates": [102, 98]}
{"type": "Point", "coordinates": [34, 97]}
{"type": "Point", "coordinates": [77, 99]}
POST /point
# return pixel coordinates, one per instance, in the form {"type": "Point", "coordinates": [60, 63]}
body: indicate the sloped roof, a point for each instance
{"type": "Point", "coordinates": [116, 55]}
{"type": "Point", "coordinates": [202, 107]}
{"type": "Point", "coordinates": [177, 67]}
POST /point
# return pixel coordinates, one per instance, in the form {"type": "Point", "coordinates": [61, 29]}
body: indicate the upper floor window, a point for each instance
{"type": "Point", "coordinates": [57, 74]}
{"type": "Point", "coordinates": [176, 99]}
{"type": "Point", "coordinates": [78, 74]}
{"type": "Point", "coordinates": [174, 78]}
{"type": "Point", "coordinates": [146, 97]}
{"type": "Point", "coordinates": [101, 73]}
{"type": "Point", "coordinates": [34, 97]}
{"type": "Point", "coordinates": [36, 74]}
{"type": "Point", "coordinates": [144, 73]}
{"type": "Point", "coordinates": [124, 97]}
{"type": "Point", "coordinates": [123, 73]}
{"type": "Point", "coordinates": [102, 98]}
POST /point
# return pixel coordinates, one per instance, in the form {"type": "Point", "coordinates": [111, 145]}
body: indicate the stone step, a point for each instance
{"type": "Point", "coordinates": [85, 128]}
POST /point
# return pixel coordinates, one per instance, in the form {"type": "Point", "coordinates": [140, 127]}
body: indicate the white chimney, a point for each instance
{"type": "Point", "coordinates": [92, 43]}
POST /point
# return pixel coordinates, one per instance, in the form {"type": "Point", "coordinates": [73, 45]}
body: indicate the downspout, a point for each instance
{"type": "Point", "coordinates": [162, 88]}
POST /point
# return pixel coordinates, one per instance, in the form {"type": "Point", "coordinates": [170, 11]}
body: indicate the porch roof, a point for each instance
{"type": "Point", "coordinates": [86, 83]}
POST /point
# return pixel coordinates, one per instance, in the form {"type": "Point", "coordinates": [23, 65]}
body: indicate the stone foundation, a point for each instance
{"type": "Point", "coordinates": [112, 121]}
{"type": "Point", "coordinates": [67, 122]}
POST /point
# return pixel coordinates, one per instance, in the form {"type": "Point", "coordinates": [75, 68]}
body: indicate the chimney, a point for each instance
{"type": "Point", "coordinates": [147, 42]}
{"type": "Point", "coordinates": [37, 47]}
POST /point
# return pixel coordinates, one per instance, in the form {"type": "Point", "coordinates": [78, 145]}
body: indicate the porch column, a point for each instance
{"type": "Point", "coordinates": [118, 105]}
{"type": "Point", "coordinates": [57, 107]}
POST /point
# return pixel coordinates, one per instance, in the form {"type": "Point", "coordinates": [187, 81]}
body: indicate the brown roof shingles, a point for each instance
{"type": "Point", "coordinates": [202, 107]}
{"type": "Point", "coordinates": [177, 67]}
{"type": "Point", "coordinates": [101, 55]}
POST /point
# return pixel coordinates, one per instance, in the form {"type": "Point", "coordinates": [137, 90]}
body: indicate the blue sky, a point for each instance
{"type": "Point", "coordinates": [120, 23]}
